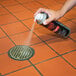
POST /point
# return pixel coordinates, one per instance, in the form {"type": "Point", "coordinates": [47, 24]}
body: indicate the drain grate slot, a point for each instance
{"type": "Point", "coordinates": [21, 52]}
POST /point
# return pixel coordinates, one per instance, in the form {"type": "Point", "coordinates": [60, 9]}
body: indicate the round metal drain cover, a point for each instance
{"type": "Point", "coordinates": [21, 52]}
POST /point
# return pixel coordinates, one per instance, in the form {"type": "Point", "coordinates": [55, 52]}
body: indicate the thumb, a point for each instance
{"type": "Point", "coordinates": [47, 21]}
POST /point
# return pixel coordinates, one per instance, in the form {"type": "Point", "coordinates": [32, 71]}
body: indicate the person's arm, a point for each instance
{"type": "Point", "coordinates": [54, 15]}
{"type": "Point", "coordinates": [67, 6]}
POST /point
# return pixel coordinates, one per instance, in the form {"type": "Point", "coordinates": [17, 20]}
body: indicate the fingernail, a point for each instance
{"type": "Point", "coordinates": [44, 23]}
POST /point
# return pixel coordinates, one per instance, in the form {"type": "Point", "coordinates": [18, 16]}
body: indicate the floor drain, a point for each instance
{"type": "Point", "coordinates": [21, 52]}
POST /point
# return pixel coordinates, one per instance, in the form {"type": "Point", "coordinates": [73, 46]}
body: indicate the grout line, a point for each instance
{"type": "Point", "coordinates": [25, 68]}
{"type": "Point", "coordinates": [60, 2]}
{"type": "Point", "coordinates": [8, 36]}
{"type": "Point", "coordinates": [54, 57]}
{"type": "Point", "coordinates": [25, 2]}
{"type": "Point", "coordinates": [36, 35]}
{"type": "Point", "coordinates": [41, 4]}
{"type": "Point", "coordinates": [56, 52]}
{"type": "Point", "coordinates": [16, 21]}
{"type": "Point", "coordinates": [68, 52]}
{"type": "Point", "coordinates": [46, 44]}
{"type": "Point", "coordinates": [22, 32]}
{"type": "Point", "coordinates": [72, 39]}
{"type": "Point", "coordinates": [41, 42]}
{"type": "Point", "coordinates": [38, 62]}
{"type": "Point", "coordinates": [8, 23]}
{"type": "Point", "coordinates": [27, 19]}
{"type": "Point", "coordinates": [68, 62]}
{"type": "Point", "coordinates": [23, 6]}
{"type": "Point", "coordinates": [70, 19]}
{"type": "Point", "coordinates": [18, 70]}
{"type": "Point", "coordinates": [15, 4]}
{"type": "Point", "coordinates": [15, 16]}
{"type": "Point", "coordinates": [35, 67]}
{"type": "Point", "coordinates": [18, 33]}
{"type": "Point", "coordinates": [46, 60]}
{"type": "Point", "coordinates": [60, 56]}
{"type": "Point", "coordinates": [3, 53]}
{"type": "Point", "coordinates": [18, 4]}
{"type": "Point", "coordinates": [11, 39]}
{"type": "Point", "coordinates": [11, 5]}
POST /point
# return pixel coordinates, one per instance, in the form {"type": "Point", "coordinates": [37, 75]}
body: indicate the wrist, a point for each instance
{"type": "Point", "coordinates": [62, 12]}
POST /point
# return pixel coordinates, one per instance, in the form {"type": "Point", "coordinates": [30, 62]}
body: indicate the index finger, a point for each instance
{"type": "Point", "coordinates": [39, 10]}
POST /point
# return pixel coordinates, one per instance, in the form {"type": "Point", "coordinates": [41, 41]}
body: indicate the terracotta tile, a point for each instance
{"type": "Point", "coordinates": [48, 3]}
{"type": "Point", "coordinates": [63, 19]}
{"type": "Point", "coordinates": [62, 45]}
{"type": "Point", "coordinates": [74, 7]}
{"type": "Point", "coordinates": [71, 14]}
{"type": "Point", "coordinates": [16, 8]}
{"type": "Point", "coordinates": [30, 22]}
{"type": "Point", "coordinates": [3, 11]}
{"type": "Point", "coordinates": [74, 21]}
{"type": "Point", "coordinates": [42, 52]}
{"type": "Point", "coordinates": [34, 6]}
{"type": "Point", "coordinates": [24, 14]}
{"type": "Point", "coordinates": [5, 45]}
{"type": "Point", "coordinates": [10, 64]}
{"type": "Point", "coordinates": [2, 33]}
{"type": "Point", "coordinates": [71, 58]}
{"type": "Point", "coordinates": [45, 2]}
{"type": "Point", "coordinates": [56, 67]}
{"type": "Point", "coordinates": [5, 19]}
{"type": "Point", "coordinates": [28, 71]}
{"type": "Point", "coordinates": [24, 38]}
{"type": "Point", "coordinates": [71, 26]}
{"type": "Point", "coordinates": [55, 6]}
{"type": "Point", "coordinates": [73, 36]}
{"type": "Point", "coordinates": [8, 2]}
{"type": "Point", "coordinates": [60, 1]}
{"type": "Point", "coordinates": [51, 4]}
{"type": "Point", "coordinates": [24, 1]}
{"type": "Point", "coordinates": [45, 33]}
{"type": "Point", "coordinates": [14, 28]}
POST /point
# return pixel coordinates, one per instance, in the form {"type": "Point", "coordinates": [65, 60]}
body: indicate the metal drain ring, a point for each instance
{"type": "Point", "coordinates": [21, 52]}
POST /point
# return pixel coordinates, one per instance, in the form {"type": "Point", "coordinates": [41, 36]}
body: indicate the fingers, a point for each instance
{"type": "Point", "coordinates": [47, 21]}
{"type": "Point", "coordinates": [40, 10]}
{"type": "Point", "coordinates": [50, 13]}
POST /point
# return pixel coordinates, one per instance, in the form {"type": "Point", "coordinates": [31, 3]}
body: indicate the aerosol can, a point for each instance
{"type": "Point", "coordinates": [54, 26]}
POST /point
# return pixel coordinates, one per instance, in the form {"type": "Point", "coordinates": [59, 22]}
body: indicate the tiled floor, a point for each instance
{"type": "Point", "coordinates": [53, 56]}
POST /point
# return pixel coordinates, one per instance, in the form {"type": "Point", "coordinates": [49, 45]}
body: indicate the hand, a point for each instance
{"type": "Point", "coordinates": [53, 15]}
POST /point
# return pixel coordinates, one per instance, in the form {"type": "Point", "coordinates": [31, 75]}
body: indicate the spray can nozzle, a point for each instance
{"type": "Point", "coordinates": [40, 17]}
